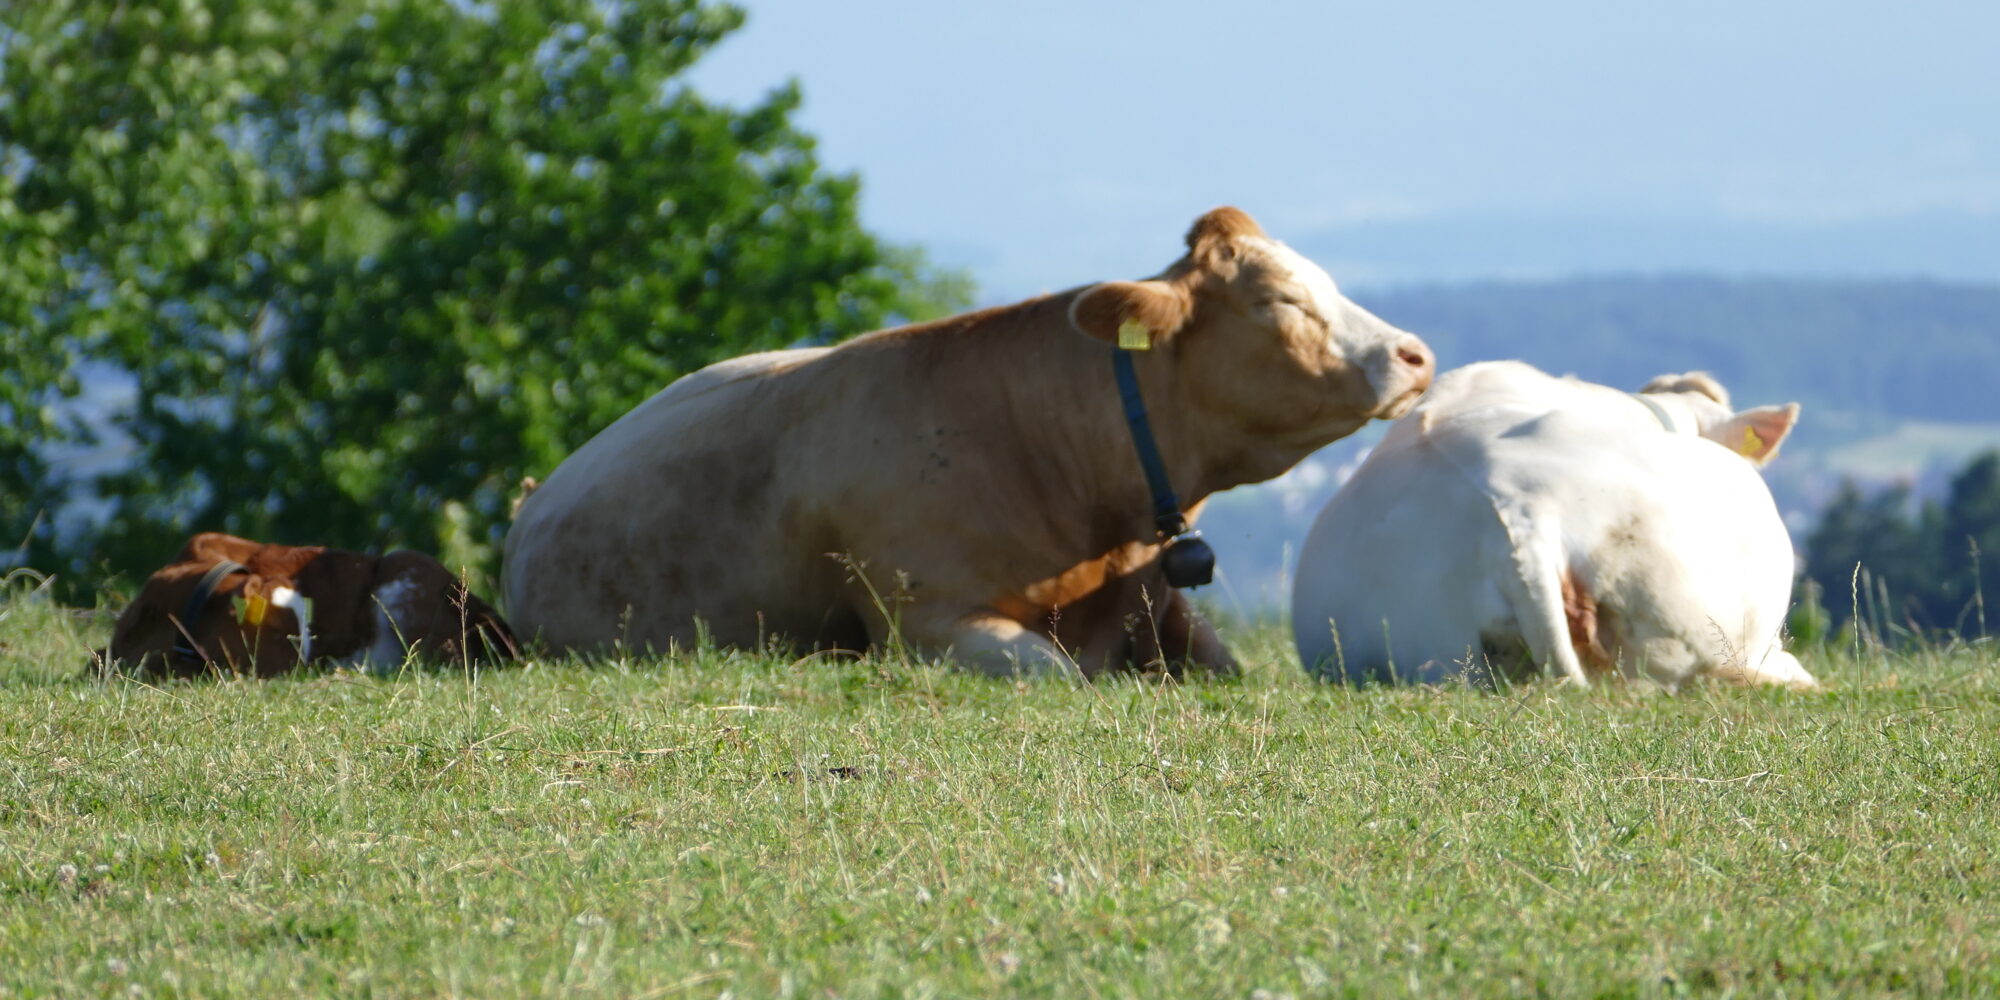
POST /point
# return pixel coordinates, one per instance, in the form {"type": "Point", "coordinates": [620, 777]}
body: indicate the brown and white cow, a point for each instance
{"type": "Point", "coordinates": [967, 485]}
{"type": "Point", "coordinates": [233, 605]}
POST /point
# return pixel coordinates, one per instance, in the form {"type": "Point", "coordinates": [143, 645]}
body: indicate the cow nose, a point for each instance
{"type": "Point", "coordinates": [1415, 354]}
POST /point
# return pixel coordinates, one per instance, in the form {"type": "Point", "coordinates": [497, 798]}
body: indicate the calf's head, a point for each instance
{"type": "Point", "coordinates": [246, 623]}
{"type": "Point", "coordinates": [1261, 339]}
{"type": "Point", "coordinates": [1756, 433]}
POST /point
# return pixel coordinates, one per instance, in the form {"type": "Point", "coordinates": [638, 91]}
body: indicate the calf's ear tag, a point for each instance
{"type": "Point", "coordinates": [1132, 336]}
{"type": "Point", "coordinates": [1752, 444]}
{"type": "Point", "coordinates": [251, 610]}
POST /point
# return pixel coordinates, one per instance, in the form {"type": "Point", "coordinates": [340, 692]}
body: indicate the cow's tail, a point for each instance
{"type": "Point", "coordinates": [1550, 605]}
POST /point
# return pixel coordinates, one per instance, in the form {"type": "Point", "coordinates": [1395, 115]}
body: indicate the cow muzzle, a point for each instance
{"type": "Point", "coordinates": [1402, 373]}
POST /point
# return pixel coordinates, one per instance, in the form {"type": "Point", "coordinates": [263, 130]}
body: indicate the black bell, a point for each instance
{"type": "Point", "coordinates": [1189, 561]}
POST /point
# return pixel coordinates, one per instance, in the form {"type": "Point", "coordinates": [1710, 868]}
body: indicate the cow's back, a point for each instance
{"type": "Point", "coordinates": [603, 550]}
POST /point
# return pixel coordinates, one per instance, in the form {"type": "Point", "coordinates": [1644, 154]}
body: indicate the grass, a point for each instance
{"type": "Point", "coordinates": [729, 823]}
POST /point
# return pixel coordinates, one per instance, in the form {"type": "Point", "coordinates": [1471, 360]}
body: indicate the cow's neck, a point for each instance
{"type": "Point", "coordinates": [1203, 455]}
{"type": "Point", "coordinates": [1059, 395]}
{"type": "Point", "coordinates": [1206, 452]}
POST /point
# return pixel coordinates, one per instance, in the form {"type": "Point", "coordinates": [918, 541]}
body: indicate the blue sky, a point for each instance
{"type": "Point", "coordinates": [1042, 144]}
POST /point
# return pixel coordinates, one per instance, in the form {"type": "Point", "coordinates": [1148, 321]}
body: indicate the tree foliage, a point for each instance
{"type": "Point", "coordinates": [366, 263]}
{"type": "Point", "coordinates": [1928, 569]}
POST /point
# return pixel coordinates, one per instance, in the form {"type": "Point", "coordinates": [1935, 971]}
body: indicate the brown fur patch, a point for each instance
{"type": "Point", "coordinates": [1580, 610]}
{"type": "Point", "coordinates": [1033, 605]}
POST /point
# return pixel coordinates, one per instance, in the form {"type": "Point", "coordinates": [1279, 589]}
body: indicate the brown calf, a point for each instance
{"type": "Point", "coordinates": [231, 604]}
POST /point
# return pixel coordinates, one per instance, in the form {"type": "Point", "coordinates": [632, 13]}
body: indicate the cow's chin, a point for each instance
{"type": "Point", "coordinates": [1400, 405]}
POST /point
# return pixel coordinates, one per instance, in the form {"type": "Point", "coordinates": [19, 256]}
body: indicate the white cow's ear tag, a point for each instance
{"type": "Point", "coordinates": [1752, 445]}
{"type": "Point", "coordinates": [1132, 336]}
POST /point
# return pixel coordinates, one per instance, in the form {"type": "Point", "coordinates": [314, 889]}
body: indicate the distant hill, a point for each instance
{"type": "Point", "coordinates": [1900, 381]}
{"type": "Point", "coordinates": [1906, 349]}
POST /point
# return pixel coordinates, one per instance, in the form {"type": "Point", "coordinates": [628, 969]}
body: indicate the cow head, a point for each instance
{"type": "Point", "coordinates": [246, 623]}
{"type": "Point", "coordinates": [1755, 433]}
{"type": "Point", "coordinates": [1261, 338]}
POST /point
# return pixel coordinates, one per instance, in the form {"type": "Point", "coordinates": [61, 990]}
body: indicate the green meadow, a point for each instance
{"type": "Point", "coordinates": [752, 825]}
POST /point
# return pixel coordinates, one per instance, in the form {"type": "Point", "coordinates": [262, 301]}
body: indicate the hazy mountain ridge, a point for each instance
{"type": "Point", "coordinates": [1900, 381]}
{"type": "Point", "coordinates": [1908, 349]}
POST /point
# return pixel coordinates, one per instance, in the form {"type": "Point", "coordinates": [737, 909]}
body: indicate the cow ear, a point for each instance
{"type": "Point", "coordinates": [1134, 315]}
{"type": "Point", "coordinates": [1756, 434]}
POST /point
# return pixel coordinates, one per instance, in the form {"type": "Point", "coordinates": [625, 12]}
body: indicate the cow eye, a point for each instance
{"type": "Point", "coordinates": [1288, 311]}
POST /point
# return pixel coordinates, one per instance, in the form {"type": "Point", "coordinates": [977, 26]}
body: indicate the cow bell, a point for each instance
{"type": "Point", "coordinates": [1188, 560]}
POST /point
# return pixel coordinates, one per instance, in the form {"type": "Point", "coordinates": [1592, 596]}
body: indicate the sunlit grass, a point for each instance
{"type": "Point", "coordinates": [745, 823]}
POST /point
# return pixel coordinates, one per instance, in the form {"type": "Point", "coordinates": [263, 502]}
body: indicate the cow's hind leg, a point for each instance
{"type": "Point", "coordinates": [997, 646]}
{"type": "Point", "coordinates": [1536, 589]}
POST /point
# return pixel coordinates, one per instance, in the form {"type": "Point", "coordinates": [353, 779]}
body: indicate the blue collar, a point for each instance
{"type": "Point", "coordinates": [1167, 517]}
{"type": "Point", "coordinates": [1187, 559]}
{"type": "Point", "coordinates": [184, 645]}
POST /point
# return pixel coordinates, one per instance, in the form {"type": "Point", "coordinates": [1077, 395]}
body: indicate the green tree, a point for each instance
{"type": "Point", "coordinates": [1863, 548]}
{"type": "Point", "coordinates": [372, 261]}
{"type": "Point", "coordinates": [1933, 569]}
{"type": "Point", "coordinates": [1969, 542]}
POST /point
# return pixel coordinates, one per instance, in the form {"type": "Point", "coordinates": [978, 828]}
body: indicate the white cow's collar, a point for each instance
{"type": "Point", "coordinates": [1666, 416]}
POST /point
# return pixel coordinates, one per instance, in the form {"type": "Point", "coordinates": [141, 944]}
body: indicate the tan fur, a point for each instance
{"type": "Point", "coordinates": [974, 475]}
{"type": "Point", "coordinates": [1218, 226]}
{"type": "Point", "coordinates": [1701, 382]}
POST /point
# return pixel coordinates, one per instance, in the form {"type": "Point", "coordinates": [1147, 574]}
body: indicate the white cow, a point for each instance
{"type": "Point", "coordinates": [1517, 520]}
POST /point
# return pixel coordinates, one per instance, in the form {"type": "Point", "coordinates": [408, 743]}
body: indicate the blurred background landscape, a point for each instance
{"type": "Point", "coordinates": [345, 271]}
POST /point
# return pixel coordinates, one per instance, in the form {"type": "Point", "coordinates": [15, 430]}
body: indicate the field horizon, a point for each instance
{"type": "Point", "coordinates": [727, 823]}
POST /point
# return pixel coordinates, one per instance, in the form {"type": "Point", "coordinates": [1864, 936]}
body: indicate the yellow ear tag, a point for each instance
{"type": "Point", "coordinates": [251, 610]}
{"type": "Point", "coordinates": [1752, 444]}
{"type": "Point", "coordinates": [1132, 336]}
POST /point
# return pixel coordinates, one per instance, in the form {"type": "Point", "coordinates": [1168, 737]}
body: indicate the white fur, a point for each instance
{"type": "Point", "coordinates": [392, 619]}
{"type": "Point", "coordinates": [1356, 334]}
{"type": "Point", "coordinates": [291, 600]}
{"type": "Point", "coordinates": [1463, 522]}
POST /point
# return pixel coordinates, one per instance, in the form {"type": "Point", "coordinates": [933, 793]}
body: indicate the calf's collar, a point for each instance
{"type": "Point", "coordinates": [184, 646]}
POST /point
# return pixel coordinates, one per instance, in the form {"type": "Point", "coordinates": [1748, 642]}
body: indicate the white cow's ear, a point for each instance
{"type": "Point", "coordinates": [1132, 314]}
{"type": "Point", "coordinates": [1756, 434]}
